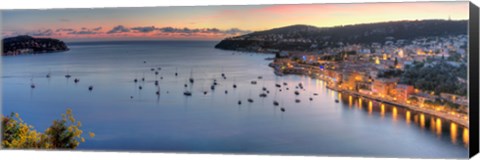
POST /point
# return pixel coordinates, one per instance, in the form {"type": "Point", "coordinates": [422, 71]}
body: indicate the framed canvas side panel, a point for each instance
{"type": "Point", "coordinates": [473, 78]}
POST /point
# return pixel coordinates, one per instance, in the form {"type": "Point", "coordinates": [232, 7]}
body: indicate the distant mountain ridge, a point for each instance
{"type": "Point", "coordinates": [25, 44]}
{"type": "Point", "coordinates": [302, 37]}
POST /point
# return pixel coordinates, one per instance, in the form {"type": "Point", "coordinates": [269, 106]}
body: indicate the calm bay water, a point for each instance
{"type": "Point", "coordinates": [213, 122]}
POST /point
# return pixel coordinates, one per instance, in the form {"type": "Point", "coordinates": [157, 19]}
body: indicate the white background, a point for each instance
{"type": "Point", "coordinates": [54, 155]}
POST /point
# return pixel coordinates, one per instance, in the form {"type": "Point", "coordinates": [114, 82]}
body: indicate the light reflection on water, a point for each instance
{"type": "Point", "coordinates": [420, 119]}
{"type": "Point", "coordinates": [214, 122]}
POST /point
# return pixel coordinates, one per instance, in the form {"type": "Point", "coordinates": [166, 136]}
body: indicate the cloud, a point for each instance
{"type": "Point", "coordinates": [235, 31]}
{"type": "Point", "coordinates": [183, 31]}
{"type": "Point", "coordinates": [82, 30]}
{"type": "Point", "coordinates": [45, 32]}
{"type": "Point", "coordinates": [144, 29]}
{"type": "Point", "coordinates": [119, 29]}
{"type": "Point", "coordinates": [64, 30]}
{"type": "Point", "coordinates": [97, 28]}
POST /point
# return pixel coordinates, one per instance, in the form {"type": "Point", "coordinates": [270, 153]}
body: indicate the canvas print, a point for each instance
{"type": "Point", "coordinates": [360, 79]}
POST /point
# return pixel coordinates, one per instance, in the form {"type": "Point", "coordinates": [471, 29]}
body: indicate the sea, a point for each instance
{"type": "Point", "coordinates": [127, 118]}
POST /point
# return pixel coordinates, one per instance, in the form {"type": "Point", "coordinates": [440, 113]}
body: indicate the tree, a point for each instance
{"type": "Point", "coordinates": [63, 134]}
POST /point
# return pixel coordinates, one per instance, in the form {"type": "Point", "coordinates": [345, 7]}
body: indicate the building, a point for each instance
{"type": "Point", "coordinates": [383, 87]}
{"type": "Point", "coordinates": [403, 91]}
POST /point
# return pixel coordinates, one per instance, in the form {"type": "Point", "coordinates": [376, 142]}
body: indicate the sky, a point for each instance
{"type": "Point", "coordinates": [210, 22]}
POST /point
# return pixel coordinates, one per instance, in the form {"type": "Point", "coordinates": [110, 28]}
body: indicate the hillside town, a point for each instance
{"type": "Point", "coordinates": [387, 72]}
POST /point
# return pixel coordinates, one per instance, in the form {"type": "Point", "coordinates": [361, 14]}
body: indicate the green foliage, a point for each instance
{"type": "Point", "coordinates": [390, 73]}
{"type": "Point", "coordinates": [440, 77]}
{"type": "Point", "coordinates": [64, 133]}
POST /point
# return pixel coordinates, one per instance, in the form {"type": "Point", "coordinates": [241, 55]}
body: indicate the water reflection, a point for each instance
{"type": "Point", "coordinates": [407, 117]}
{"type": "Point", "coordinates": [438, 125]}
{"type": "Point", "coordinates": [394, 114]}
{"type": "Point", "coordinates": [370, 108]}
{"type": "Point", "coordinates": [423, 121]}
{"type": "Point", "coordinates": [465, 137]}
{"type": "Point", "coordinates": [453, 132]}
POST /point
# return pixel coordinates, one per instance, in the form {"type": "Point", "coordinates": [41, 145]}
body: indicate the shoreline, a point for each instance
{"type": "Point", "coordinates": [460, 121]}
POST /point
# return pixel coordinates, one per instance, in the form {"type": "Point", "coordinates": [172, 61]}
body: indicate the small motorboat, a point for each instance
{"type": "Point", "coordinates": [76, 80]}
{"type": "Point", "coordinates": [253, 82]}
{"type": "Point", "coordinates": [282, 109]}
{"type": "Point", "coordinates": [234, 86]}
{"type": "Point", "coordinates": [297, 93]}
{"type": "Point", "coordinates": [212, 87]}
{"type": "Point", "coordinates": [239, 102]}
{"type": "Point", "coordinates": [311, 99]}
{"type": "Point", "coordinates": [278, 85]}
{"type": "Point", "coordinates": [275, 103]}
{"type": "Point", "coordinates": [263, 95]}
{"type": "Point", "coordinates": [140, 87]}
{"type": "Point", "coordinates": [337, 101]}
{"type": "Point", "coordinates": [90, 88]}
{"type": "Point", "coordinates": [297, 101]}
{"type": "Point", "coordinates": [187, 93]}
{"type": "Point", "coordinates": [250, 100]}
{"type": "Point", "coordinates": [205, 92]}
{"type": "Point", "coordinates": [32, 86]}
{"type": "Point", "coordinates": [68, 76]}
{"type": "Point", "coordinates": [315, 94]}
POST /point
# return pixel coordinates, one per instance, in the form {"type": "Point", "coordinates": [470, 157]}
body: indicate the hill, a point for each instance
{"type": "Point", "coordinates": [29, 45]}
{"type": "Point", "coordinates": [304, 37]}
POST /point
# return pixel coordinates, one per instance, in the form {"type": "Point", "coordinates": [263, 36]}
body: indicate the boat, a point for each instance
{"type": "Point", "coordinates": [297, 93]}
{"type": "Point", "coordinates": [336, 101]}
{"type": "Point", "coordinates": [275, 103]}
{"type": "Point", "coordinates": [297, 101]}
{"type": "Point", "coordinates": [282, 109]}
{"type": "Point", "coordinates": [212, 87]}
{"type": "Point", "coordinates": [156, 82]}
{"type": "Point", "coordinates": [285, 83]}
{"type": "Point", "coordinates": [135, 80]}
{"type": "Point", "coordinates": [156, 72]}
{"type": "Point", "coordinates": [253, 82]}
{"type": "Point", "coordinates": [191, 77]}
{"type": "Point", "coordinates": [259, 77]}
{"type": "Point", "coordinates": [32, 86]}
{"type": "Point", "coordinates": [152, 69]}
{"type": "Point", "coordinates": [205, 92]}
{"type": "Point", "coordinates": [48, 75]}
{"type": "Point", "coordinates": [226, 92]}
{"type": "Point", "coordinates": [278, 85]}
{"type": "Point", "coordinates": [250, 100]}
{"type": "Point", "coordinates": [311, 99]}
{"type": "Point", "coordinates": [140, 87]}
{"type": "Point", "coordinates": [76, 80]}
{"type": "Point", "coordinates": [68, 76]}
{"type": "Point", "coordinates": [234, 86]}
{"type": "Point", "coordinates": [187, 93]}
{"type": "Point", "coordinates": [158, 92]}
{"type": "Point", "coordinates": [263, 95]}
{"type": "Point", "coordinates": [264, 88]}
{"type": "Point", "coordinates": [315, 94]}
{"type": "Point", "coordinates": [90, 88]}
{"type": "Point", "coordinates": [239, 102]}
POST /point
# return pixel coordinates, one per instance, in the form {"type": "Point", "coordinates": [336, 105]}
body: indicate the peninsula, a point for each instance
{"type": "Point", "coordinates": [420, 65]}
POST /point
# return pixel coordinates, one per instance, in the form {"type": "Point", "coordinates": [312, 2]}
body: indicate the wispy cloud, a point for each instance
{"type": "Point", "coordinates": [118, 29]}
{"type": "Point", "coordinates": [138, 31]}
{"type": "Point", "coordinates": [144, 29]}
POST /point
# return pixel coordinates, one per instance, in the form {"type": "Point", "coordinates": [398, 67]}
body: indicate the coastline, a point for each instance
{"type": "Point", "coordinates": [460, 121]}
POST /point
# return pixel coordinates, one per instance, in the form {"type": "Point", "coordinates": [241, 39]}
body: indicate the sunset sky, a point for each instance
{"type": "Point", "coordinates": [210, 22]}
